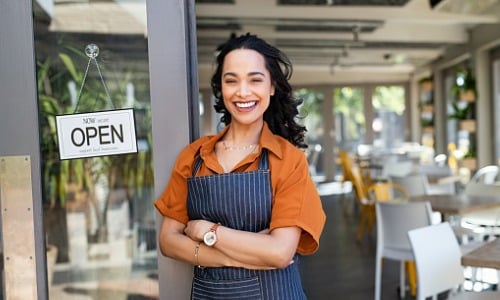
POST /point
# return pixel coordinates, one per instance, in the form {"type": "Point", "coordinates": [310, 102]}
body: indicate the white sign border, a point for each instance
{"type": "Point", "coordinates": [132, 134]}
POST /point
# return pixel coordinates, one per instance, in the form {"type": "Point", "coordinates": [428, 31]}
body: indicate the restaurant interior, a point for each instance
{"type": "Point", "coordinates": [400, 100]}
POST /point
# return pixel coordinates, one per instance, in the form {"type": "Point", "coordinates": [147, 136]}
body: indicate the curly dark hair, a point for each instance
{"type": "Point", "coordinates": [282, 111]}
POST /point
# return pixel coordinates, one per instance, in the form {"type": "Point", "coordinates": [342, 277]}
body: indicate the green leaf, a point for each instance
{"type": "Point", "coordinates": [68, 62]}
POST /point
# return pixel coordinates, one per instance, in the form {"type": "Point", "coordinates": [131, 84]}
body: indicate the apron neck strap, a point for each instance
{"type": "Point", "coordinates": [263, 163]}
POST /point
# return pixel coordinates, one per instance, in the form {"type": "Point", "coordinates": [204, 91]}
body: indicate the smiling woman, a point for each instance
{"type": "Point", "coordinates": [240, 205]}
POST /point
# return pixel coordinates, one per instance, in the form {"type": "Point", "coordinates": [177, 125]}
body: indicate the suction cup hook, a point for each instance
{"type": "Point", "coordinates": [92, 50]}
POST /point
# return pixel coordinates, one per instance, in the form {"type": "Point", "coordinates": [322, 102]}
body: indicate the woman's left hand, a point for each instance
{"type": "Point", "coordinates": [196, 229]}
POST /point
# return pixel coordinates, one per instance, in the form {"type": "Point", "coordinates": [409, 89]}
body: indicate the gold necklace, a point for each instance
{"type": "Point", "coordinates": [233, 147]}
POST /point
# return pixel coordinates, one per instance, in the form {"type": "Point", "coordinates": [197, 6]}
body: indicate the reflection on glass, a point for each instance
{"type": "Point", "coordinates": [98, 211]}
{"type": "Point", "coordinates": [310, 112]}
{"type": "Point", "coordinates": [349, 117]}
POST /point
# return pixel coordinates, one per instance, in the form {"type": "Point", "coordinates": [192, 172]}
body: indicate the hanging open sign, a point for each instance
{"type": "Point", "coordinates": [96, 134]}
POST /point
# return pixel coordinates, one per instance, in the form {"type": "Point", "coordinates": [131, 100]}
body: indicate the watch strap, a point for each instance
{"type": "Point", "coordinates": [214, 227]}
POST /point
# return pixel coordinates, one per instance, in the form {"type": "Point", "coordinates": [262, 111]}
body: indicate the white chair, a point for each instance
{"type": "Point", "coordinates": [487, 174]}
{"type": "Point", "coordinates": [441, 179]}
{"type": "Point", "coordinates": [486, 223]}
{"type": "Point", "coordinates": [393, 167]}
{"type": "Point", "coordinates": [393, 222]}
{"type": "Point", "coordinates": [482, 182]}
{"type": "Point", "coordinates": [437, 257]}
{"type": "Point", "coordinates": [416, 184]}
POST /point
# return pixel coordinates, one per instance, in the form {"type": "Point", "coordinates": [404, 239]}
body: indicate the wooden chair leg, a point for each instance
{"type": "Point", "coordinates": [363, 223]}
{"type": "Point", "coordinates": [361, 226]}
{"type": "Point", "coordinates": [371, 219]}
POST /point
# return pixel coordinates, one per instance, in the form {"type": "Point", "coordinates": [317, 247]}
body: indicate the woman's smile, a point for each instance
{"type": "Point", "coordinates": [246, 105]}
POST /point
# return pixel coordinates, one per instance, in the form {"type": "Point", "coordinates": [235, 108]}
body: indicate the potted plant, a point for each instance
{"type": "Point", "coordinates": [464, 91]}
{"type": "Point", "coordinates": [426, 96]}
{"type": "Point", "coordinates": [469, 160]}
{"type": "Point", "coordinates": [464, 87]}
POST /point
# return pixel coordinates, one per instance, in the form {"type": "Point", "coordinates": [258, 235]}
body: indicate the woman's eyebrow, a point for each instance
{"type": "Point", "coordinates": [249, 74]}
{"type": "Point", "coordinates": [256, 73]}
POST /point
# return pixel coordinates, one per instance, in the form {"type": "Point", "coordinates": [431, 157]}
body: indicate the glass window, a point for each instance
{"type": "Point", "coordinates": [496, 106]}
{"type": "Point", "coordinates": [350, 123]}
{"type": "Point", "coordinates": [98, 211]}
{"type": "Point", "coordinates": [388, 124]}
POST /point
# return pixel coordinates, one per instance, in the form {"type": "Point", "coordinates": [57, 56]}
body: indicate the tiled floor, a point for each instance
{"type": "Point", "coordinates": [344, 268]}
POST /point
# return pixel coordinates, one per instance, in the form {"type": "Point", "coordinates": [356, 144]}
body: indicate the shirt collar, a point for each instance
{"type": "Point", "coordinates": [267, 140]}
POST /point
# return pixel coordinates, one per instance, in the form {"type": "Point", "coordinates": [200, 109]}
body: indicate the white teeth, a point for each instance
{"type": "Point", "coordinates": [245, 104]}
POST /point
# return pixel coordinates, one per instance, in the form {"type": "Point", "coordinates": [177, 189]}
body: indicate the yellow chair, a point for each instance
{"type": "Point", "coordinates": [346, 163]}
{"type": "Point", "coordinates": [366, 208]}
{"type": "Point", "coordinates": [352, 173]}
{"type": "Point", "coordinates": [385, 191]}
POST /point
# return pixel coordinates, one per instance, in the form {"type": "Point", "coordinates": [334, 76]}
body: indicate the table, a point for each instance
{"type": "Point", "coordinates": [452, 204]}
{"type": "Point", "coordinates": [486, 256]}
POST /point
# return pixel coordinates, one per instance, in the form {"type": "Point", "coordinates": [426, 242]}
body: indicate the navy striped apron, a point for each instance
{"type": "Point", "coordinates": [240, 201]}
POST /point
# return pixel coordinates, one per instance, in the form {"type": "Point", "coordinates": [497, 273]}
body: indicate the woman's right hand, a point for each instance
{"type": "Point", "coordinates": [196, 229]}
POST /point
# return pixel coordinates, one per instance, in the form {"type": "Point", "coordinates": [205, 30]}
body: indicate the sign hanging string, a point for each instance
{"type": "Point", "coordinates": [92, 51]}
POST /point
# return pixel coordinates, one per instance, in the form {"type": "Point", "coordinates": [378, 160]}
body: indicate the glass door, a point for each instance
{"type": "Point", "coordinates": [92, 56]}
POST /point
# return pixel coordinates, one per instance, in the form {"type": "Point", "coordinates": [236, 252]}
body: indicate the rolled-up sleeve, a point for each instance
{"type": "Point", "coordinates": [172, 202]}
{"type": "Point", "coordinates": [296, 201]}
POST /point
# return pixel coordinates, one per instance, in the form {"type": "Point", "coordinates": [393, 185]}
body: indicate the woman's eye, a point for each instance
{"type": "Point", "coordinates": [229, 81]}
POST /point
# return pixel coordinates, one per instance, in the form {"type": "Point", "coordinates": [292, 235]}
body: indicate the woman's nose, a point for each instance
{"type": "Point", "coordinates": [243, 90]}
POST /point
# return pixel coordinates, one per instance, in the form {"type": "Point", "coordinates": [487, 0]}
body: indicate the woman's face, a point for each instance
{"type": "Point", "coordinates": [246, 86]}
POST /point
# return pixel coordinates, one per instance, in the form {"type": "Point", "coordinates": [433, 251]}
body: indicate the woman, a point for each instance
{"type": "Point", "coordinates": [240, 205]}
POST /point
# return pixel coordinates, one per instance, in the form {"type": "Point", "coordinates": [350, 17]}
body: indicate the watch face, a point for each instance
{"type": "Point", "coordinates": [209, 238]}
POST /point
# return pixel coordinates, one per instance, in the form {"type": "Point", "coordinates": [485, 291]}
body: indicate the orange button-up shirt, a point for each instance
{"type": "Point", "coordinates": [295, 199]}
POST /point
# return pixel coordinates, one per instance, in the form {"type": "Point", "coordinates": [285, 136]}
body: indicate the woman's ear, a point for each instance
{"type": "Point", "coordinates": [272, 90]}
